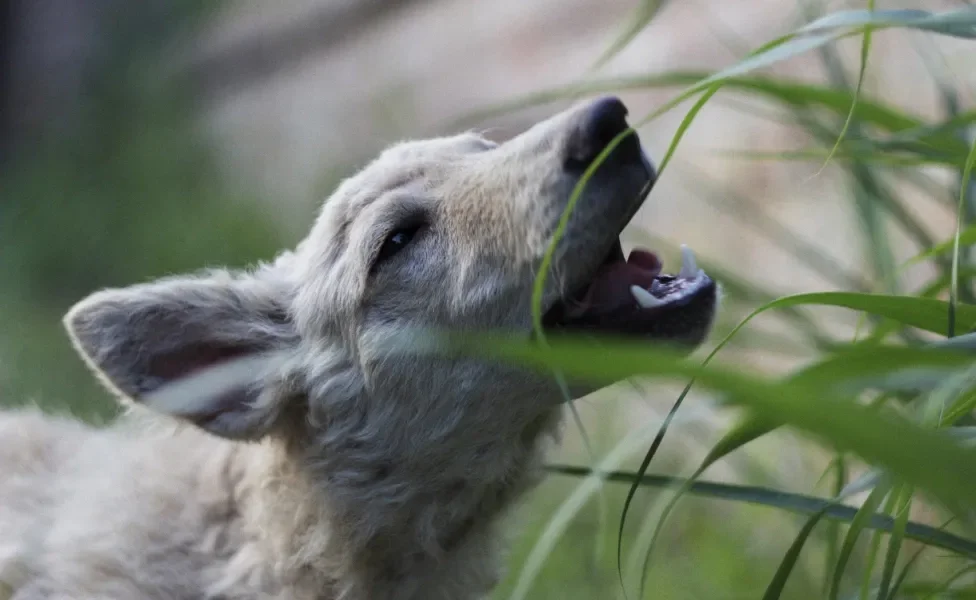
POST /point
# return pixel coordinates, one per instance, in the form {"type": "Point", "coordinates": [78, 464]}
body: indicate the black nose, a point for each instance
{"type": "Point", "coordinates": [607, 118]}
{"type": "Point", "coordinates": [603, 121]}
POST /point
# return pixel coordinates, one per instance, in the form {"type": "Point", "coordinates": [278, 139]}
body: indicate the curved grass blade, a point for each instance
{"type": "Point", "coordinates": [880, 367]}
{"type": "Point", "coordinates": [954, 287]}
{"type": "Point", "coordinates": [775, 588]}
{"type": "Point", "coordinates": [923, 313]}
{"type": "Point", "coordinates": [868, 481]}
{"type": "Point", "coordinates": [570, 506]}
{"type": "Point", "coordinates": [538, 288]}
{"type": "Point", "coordinates": [602, 508]}
{"type": "Point", "coordinates": [874, 546]}
{"type": "Point", "coordinates": [752, 429]}
{"type": "Point", "coordinates": [804, 40]}
{"type": "Point", "coordinates": [770, 53]}
{"type": "Point", "coordinates": [847, 152]}
{"type": "Point", "coordinates": [643, 15]}
{"type": "Point", "coordinates": [810, 254]}
{"type": "Point", "coordinates": [865, 50]}
{"type": "Point", "coordinates": [942, 283]}
{"type": "Point", "coordinates": [659, 438]}
{"type": "Point", "coordinates": [641, 469]}
{"type": "Point", "coordinates": [789, 501]}
{"type": "Point", "coordinates": [833, 530]}
{"type": "Point", "coordinates": [907, 568]}
{"type": "Point", "coordinates": [838, 421]}
{"type": "Point", "coordinates": [912, 146]}
{"type": "Point", "coordinates": [790, 93]}
{"type": "Point", "coordinates": [685, 124]}
{"type": "Point", "coordinates": [963, 406]}
{"type": "Point", "coordinates": [956, 23]}
{"type": "Point", "coordinates": [903, 507]}
{"type": "Point", "coordinates": [943, 588]}
{"type": "Point", "coordinates": [748, 291]}
{"type": "Point", "coordinates": [966, 237]}
{"type": "Point", "coordinates": [858, 524]}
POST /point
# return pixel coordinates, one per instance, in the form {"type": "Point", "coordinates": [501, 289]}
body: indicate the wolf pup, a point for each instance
{"type": "Point", "coordinates": [344, 474]}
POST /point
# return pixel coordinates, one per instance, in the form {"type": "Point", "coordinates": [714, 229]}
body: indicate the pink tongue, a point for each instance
{"type": "Point", "coordinates": [611, 286]}
{"type": "Point", "coordinates": [645, 260]}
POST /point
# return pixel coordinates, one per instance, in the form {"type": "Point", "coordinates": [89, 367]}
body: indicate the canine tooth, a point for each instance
{"type": "Point", "coordinates": [689, 267]}
{"type": "Point", "coordinates": [644, 298]}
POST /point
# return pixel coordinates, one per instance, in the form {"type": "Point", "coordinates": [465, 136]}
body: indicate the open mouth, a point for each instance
{"type": "Point", "coordinates": [632, 297]}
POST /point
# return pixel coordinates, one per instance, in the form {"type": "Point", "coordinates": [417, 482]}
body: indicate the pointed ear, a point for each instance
{"type": "Point", "coordinates": [142, 338]}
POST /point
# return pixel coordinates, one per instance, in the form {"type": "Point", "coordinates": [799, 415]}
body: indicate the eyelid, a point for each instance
{"type": "Point", "coordinates": [415, 222]}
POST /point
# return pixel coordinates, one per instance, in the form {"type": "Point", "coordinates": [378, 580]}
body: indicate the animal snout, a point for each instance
{"type": "Point", "coordinates": [599, 123]}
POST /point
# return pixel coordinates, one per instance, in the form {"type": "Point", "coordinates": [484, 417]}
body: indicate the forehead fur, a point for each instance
{"type": "Point", "coordinates": [443, 178]}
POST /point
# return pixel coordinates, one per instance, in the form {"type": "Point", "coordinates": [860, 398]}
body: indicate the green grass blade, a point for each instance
{"type": "Point", "coordinates": [684, 125]}
{"type": "Point", "coordinates": [810, 254]}
{"type": "Point", "coordinates": [868, 481]}
{"type": "Point", "coordinates": [752, 429]}
{"type": "Point", "coordinates": [923, 313]}
{"type": "Point", "coordinates": [956, 23]}
{"type": "Point", "coordinates": [642, 468]}
{"type": "Point", "coordinates": [963, 406]}
{"type": "Point", "coordinates": [907, 568]}
{"type": "Point", "coordinates": [561, 518]}
{"type": "Point", "coordinates": [833, 529]}
{"type": "Point", "coordinates": [846, 152]}
{"type": "Point", "coordinates": [748, 430]}
{"type": "Point", "coordinates": [943, 589]}
{"type": "Point", "coordinates": [792, 502]}
{"type": "Point", "coordinates": [865, 50]}
{"type": "Point", "coordinates": [954, 287]}
{"type": "Point", "coordinates": [775, 588]}
{"type": "Point", "coordinates": [835, 420]}
{"type": "Point", "coordinates": [771, 53]}
{"type": "Point", "coordinates": [942, 283]}
{"type": "Point", "coordinates": [903, 507]}
{"type": "Point", "coordinates": [966, 237]}
{"type": "Point", "coordinates": [858, 524]}
{"type": "Point", "coordinates": [874, 547]}
{"type": "Point", "coordinates": [645, 12]}
{"type": "Point", "coordinates": [659, 438]}
{"type": "Point", "coordinates": [538, 288]}
{"type": "Point", "coordinates": [789, 46]}
{"type": "Point", "coordinates": [788, 93]}
{"type": "Point", "coordinates": [858, 368]}
{"type": "Point", "coordinates": [747, 291]}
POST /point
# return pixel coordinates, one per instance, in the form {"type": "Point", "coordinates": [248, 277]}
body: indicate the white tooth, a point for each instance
{"type": "Point", "coordinates": [644, 298]}
{"type": "Point", "coordinates": [689, 268]}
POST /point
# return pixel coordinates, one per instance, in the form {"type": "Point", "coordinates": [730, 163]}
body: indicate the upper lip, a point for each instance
{"type": "Point", "coordinates": [611, 250]}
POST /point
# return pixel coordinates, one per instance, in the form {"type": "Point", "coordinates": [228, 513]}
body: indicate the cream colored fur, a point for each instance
{"type": "Point", "coordinates": [345, 472]}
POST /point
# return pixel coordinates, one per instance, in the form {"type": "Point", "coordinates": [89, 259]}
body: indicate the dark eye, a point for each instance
{"type": "Point", "coordinates": [395, 242]}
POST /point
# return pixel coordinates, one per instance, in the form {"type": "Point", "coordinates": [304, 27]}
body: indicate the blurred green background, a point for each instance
{"type": "Point", "coordinates": [144, 139]}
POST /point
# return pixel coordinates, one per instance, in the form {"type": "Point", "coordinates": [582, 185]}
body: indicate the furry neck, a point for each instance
{"type": "Point", "coordinates": [371, 522]}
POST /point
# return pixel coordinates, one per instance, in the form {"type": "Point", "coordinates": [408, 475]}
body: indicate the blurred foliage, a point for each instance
{"type": "Point", "coordinates": [896, 408]}
{"type": "Point", "coordinates": [130, 192]}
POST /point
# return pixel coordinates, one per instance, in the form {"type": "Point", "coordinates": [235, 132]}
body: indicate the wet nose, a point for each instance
{"type": "Point", "coordinates": [606, 119]}
{"type": "Point", "coordinates": [602, 121]}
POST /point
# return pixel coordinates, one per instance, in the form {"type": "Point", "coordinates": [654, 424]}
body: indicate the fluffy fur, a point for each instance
{"type": "Point", "coordinates": [344, 472]}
